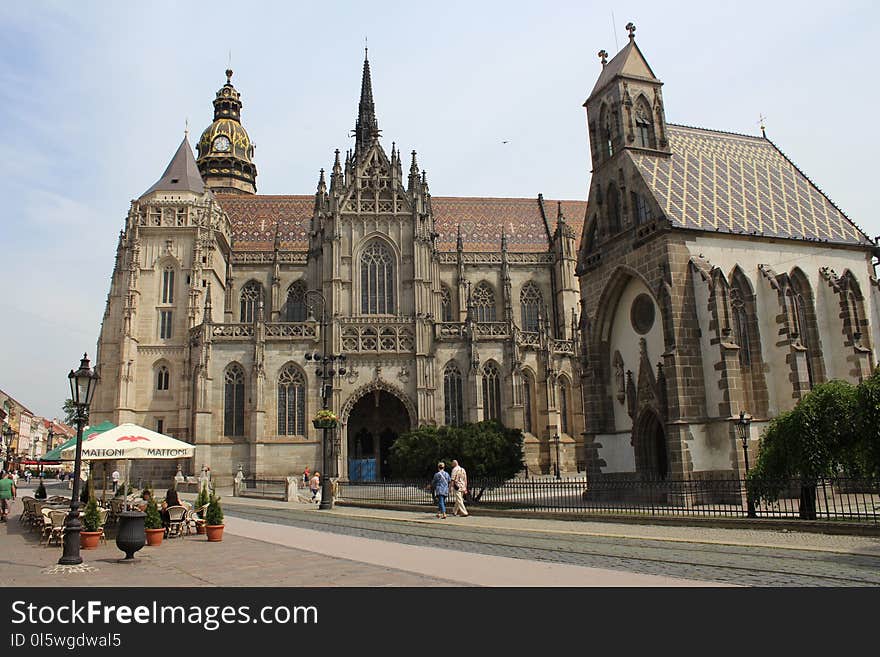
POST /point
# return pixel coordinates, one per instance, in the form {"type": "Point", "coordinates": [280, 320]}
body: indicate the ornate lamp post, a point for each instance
{"type": "Point", "coordinates": [7, 446]}
{"type": "Point", "coordinates": [328, 365]}
{"type": "Point", "coordinates": [742, 430]}
{"type": "Point", "coordinates": [82, 389]}
{"type": "Point", "coordinates": [556, 442]}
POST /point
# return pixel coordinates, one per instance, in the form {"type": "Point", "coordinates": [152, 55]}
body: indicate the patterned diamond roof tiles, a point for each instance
{"type": "Point", "coordinates": [740, 184]}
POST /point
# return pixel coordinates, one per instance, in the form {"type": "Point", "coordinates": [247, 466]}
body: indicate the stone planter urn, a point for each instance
{"type": "Point", "coordinates": [130, 536]}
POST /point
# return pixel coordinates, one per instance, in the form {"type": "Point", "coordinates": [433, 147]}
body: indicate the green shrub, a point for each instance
{"type": "Point", "coordinates": [214, 512]}
{"type": "Point", "coordinates": [91, 520]}
{"type": "Point", "coordinates": [154, 518]}
{"type": "Point", "coordinates": [203, 497]}
{"type": "Point", "coordinates": [486, 449]}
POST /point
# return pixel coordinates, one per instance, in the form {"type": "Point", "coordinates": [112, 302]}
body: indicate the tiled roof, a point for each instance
{"type": "Point", "coordinates": [482, 220]}
{"type": "Point", "coordinates": [739, 184]}
{"type": "Point", "coordinates": [254, 218]}
{"type": "Point", "coordinates": [181, 174]}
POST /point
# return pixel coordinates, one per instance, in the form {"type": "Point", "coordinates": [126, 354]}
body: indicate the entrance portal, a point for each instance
{"type": "Point", "coordinates": [649, 438]}
{"type": "Point", "coordinates": [375, 422]}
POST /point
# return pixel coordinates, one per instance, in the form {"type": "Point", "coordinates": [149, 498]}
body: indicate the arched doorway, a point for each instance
{"type": "Point", "coordinates": [374, 423]}
{"type": "Point", "coordinates": [649, 443]}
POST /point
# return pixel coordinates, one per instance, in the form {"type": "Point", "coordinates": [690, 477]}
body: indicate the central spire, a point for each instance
{"type": "Point", "coordinates": [366, 127]}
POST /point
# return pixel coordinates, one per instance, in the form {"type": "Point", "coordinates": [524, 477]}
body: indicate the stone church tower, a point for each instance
{"type": "Point", "coordinates": [715, 278]}
{"type": "Point", "coordinates": [448, 310]}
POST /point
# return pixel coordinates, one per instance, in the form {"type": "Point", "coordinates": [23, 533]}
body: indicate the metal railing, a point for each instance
{"type": "Point", "coordinates": [271, 489]}
{"type": "Point", "coordinates": [830, 499]}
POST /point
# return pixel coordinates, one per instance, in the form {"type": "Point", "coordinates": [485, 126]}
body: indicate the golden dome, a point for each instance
{"type": "Point", "coordinates": [237, 143]}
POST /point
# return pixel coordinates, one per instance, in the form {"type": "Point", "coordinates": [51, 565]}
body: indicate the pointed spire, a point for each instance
{"type": "Point", "coordinates": [459, 245]}
{"type": "Point", "coordinates": [413, 173]}
{"type": "Point", "coordinates": [277, 245]}
{"type": "Point", "coordinates": [336, 175]}
{"type": "Point", "coordinates": [560, 217]}
{"type": "Point", "coordinates": [207, 317]}
{"type": "Point", "coordinates": [503, 240]}
{"type": "Point", "coordinates": [181, 174]}
{"type": "Point", "coordinates": [366, 128]}
{"type": "Point", "coordinates": [320, 193]}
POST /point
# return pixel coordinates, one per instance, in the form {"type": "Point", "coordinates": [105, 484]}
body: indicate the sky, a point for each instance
{"type": "Point", "coordinates": [95, 98]}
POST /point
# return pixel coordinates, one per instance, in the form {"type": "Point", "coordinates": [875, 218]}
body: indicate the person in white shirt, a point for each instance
{"type": "Point", "coordinates": [459, 488]}
{"type": "Point", "coordinates": [115, 479]}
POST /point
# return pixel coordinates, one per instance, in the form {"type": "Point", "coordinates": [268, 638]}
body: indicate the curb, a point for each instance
{"type": "Point", "coordinates": [762, 524]}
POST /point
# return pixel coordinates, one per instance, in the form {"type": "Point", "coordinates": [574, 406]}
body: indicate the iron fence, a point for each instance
{"type": "Point", "coordinates": [272, 489]}
{"type": "Point", "coordinates": [830, 499]}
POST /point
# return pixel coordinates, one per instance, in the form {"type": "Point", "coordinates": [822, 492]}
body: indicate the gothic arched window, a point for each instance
{"type": "Point", "coordinates": [807, 327]}
{"type": "Point", "coordinates": [528, 424]}
{"type": "Point", "coordinates": [291, 402]}
{"type": "Point", "coordinates": [644, 125]}
{"type": "Point", "coordinates": [483, 302]}
{"type": "Point", "coordinates": [163, 378]}
{"type": "Point", "coordinates": [613, 200]}
{"type": "Point", "coordinates": [295, 309]}
{"type": "Point", "coordinates": [491, 392]}
{"type": "Point", "coordinates": [251, 294]}
{"type": "Point", "coordinates": [453, 400]}
{"type": "Point", "coordinates": [377, 279]}
{"type": "Point", "coordinates": [606, 129]}
{"type": "Point", "coordinates": [563, 406]}
{"type": "Point", "coordinates": [168, 285]}
{"type": "Point", "coordinates": [233, 401]}
{"type": "Point", "coordinates": [530, 300]}
{"type": "Point", "coordinates": [445, 305]}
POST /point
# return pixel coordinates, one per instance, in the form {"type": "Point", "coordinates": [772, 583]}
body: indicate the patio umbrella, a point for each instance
{"type": "Point", "coordinates": [55, 454]}
{"type": "Point", "coordinates": [130, 441]}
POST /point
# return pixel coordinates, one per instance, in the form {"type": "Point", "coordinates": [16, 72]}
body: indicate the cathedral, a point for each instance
{"type": "Point", "coordinates": [705, 275]}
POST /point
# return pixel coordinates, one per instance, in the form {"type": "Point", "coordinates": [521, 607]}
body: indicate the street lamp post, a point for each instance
{"type": "Point", "coordinates": [742, 429]}
{"type": "Point", "coordinates": [556, 441]}
{"type": "Point", "coordinates": [7, 447]}
{"type": "Point", "coordinates": [82, 388]}
{"type": "Point", "coordinates": [328, 365]}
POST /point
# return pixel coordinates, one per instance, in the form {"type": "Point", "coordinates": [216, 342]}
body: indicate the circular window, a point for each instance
{"type": "Point", "coordinates": [642, 314]}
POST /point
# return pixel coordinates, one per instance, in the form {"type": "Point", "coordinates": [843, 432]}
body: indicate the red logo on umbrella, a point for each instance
{"type": "Point", "coordinates": [132, 439]}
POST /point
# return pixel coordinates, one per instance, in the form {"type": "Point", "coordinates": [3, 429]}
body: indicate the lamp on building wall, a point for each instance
{"type": "Point", "coordinates": [82, 389]}
{"type": "Point", "coordinates": [328, 366]}
{"type": "Point", "coordinates": [743, 431]}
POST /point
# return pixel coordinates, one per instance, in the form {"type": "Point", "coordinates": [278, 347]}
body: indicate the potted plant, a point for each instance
{"type": "Point", "coordinates": [214, 520]}
{"type": "Point", "coordinates": [202, 499]}
{"type": "Point", "coordinates": [324, 419]}
{"type": "Point", "coordinates": [91, 526]}
{"type": "Point", "coordinates": [40, 493]}
{"type": "Point", "coordinates": [153, 524]}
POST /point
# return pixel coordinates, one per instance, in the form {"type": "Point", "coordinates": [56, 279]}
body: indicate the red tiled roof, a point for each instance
{"type": "Point", "coordinates": [254, 218]}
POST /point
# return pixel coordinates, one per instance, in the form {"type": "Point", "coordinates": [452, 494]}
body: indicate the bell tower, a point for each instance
{"type": "Point", "coordinates": [225, 150]}
{"type": "Point", "coordinates": [625, 109]}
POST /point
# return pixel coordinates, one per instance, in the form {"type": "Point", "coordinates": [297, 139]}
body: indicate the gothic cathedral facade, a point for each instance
{"type": "Point", "coordinates": [704, 276]}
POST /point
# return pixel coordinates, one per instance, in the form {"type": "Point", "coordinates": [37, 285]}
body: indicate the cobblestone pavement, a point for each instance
{"type": "Point", "coordinates": [747, 557]}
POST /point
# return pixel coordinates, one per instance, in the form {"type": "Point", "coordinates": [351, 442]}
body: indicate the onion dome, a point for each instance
{"type": "Point", "coordinates": [225, 150]}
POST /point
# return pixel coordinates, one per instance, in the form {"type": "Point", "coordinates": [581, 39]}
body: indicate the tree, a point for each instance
{"type": "Point", "coordinates": [816, 439]}
{"type": "Point", "coordinates": [70, 413]}
{"type": "Point", "coordinates": [486, 449]}
{"type": "Point", "coordinates": [867, 448]}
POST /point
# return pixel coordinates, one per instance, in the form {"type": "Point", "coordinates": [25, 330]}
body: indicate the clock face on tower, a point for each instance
{"type": "Point", "coordinates": [221, 144]}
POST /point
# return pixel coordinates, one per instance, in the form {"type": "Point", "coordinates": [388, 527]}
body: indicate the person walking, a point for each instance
{"type": "Point", "coordinates": [115, 479]}
{"type": "Point", "coordinates": [440, 486]}
{"type": "Point", "coordinates": [306, 477]}
{"type": "Point", "coordinates": [459, 488]}
{"type": "Point", "coordinates": [7, 494]}
{"type": "Point", "coordinates": [315, 485]}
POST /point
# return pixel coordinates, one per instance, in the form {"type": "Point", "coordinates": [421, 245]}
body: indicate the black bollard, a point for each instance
{"type": "Point", "coordinates": [130, 536]}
